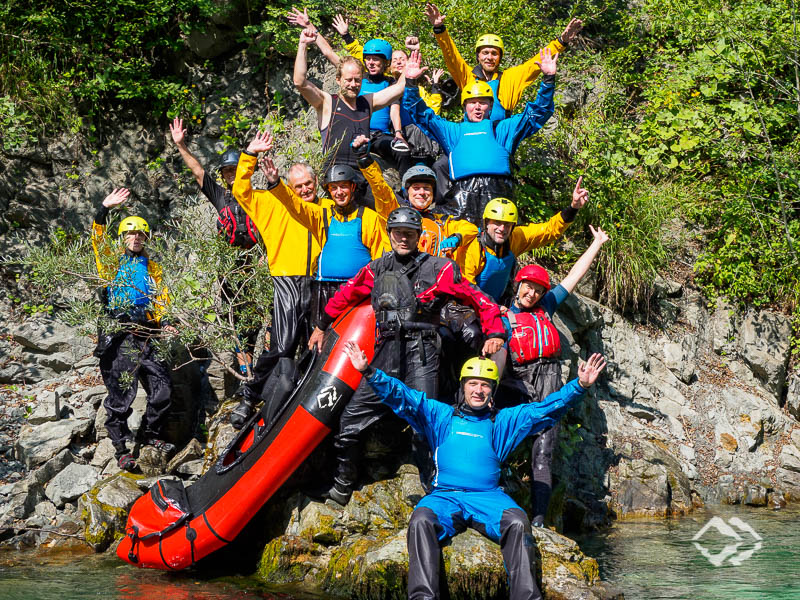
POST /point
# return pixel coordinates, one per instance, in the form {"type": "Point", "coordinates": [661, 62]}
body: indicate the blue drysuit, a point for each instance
{"type": "Point", "coordinates": [469, 449]}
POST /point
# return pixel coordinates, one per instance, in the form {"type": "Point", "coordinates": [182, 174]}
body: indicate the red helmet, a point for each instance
{"type": "Point", "coordinates": [534, 273]}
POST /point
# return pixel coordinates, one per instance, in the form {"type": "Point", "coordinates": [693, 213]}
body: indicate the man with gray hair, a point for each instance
{"type": "Point", "coordinates": [292, 255]}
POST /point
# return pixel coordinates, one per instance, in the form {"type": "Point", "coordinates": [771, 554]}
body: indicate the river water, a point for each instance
{"type": "Point", "coordinates": [646, 560]}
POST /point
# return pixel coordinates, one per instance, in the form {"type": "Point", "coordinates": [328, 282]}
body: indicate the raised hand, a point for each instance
{"type": "Point", "coordinates": [301, 19]}
{"type": "Point", "coordinates": [547, 63]}
{"type": "Point", "coordinates": [269, 169]}
{"type": "Point", "coordinates": [413, 70]}
{"type": "Point", "coordinates": [589, 371]}
{"type": "Point", "coordinates": [177, 131]}
{"type": "Point", "coordinates": [341, 25]}
{"type": "Point", "coordinates": [600, 236]}
{"type": "Point", "coordinates": [116, 198]}
{"type": "Point", "coordinates": [435, 17]}
{"type": "Point", "coordinates": [308, 36]}
{"type": "Point", "coordinates": [261, 143]}
{"type": "Point", "coordinates": [572, 29]}
{"type": "Point", "coordinates": [412, 43]}
{"type": "Point", "coordinates": [492, 345]}
{"type": "Point", "coordinates": [436, 75]}
{"type": "Point", "coordinates": [357, 356]}
{"type": "Point", "coordinates": [580, 196]}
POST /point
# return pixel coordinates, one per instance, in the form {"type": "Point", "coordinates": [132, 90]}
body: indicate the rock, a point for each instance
{"type": "Point", "coordinates": [643, 490]}
{"type": "Point", "coordinates": [103, 453]}
{"type": "Point", "coordinates": [50, 337]}
{"type": "Point", "coordinates": [48, 408]}
{"type": "Point", "coordinates": [95, 395]}
{"type": "Point", "coordinates": [764, 344]}
{"type": "Point", "coordinates": [788, 472]}
{"type": "Point", "coordinates": [38, 444]}
{"type": "Point", "coordinates": [192, 452]}
{"type": "Point", "coordinates": [190, 470]}
{"type": "Point", "coordinates": [152, 462]}
{"type": "Point", "coordinates": [70, 483]}
{"type": "Point", "coordinates": [320, 523]}
{"type": "Point", "coordinates": [755, 495]}
{"type": "Point", "coordinates": [793, 395]}
{"type": "Point", "coordinates": [20, 499]}
{"type": "Point", "coordinates": [680, 358]}
{"type": "Point", "coordinates": [776, 500]}
{"type": "Point", "coordinates": [721, 329]}
{"type": "Point", "coordinates": [104, 509]}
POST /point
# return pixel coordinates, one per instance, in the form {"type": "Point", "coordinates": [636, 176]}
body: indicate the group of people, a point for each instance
{"type": "Point", "coordinates": [466, 350]}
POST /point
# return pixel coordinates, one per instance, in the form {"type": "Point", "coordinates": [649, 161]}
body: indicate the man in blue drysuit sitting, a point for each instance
{"type": "Point", "coordinates": [470, 442]}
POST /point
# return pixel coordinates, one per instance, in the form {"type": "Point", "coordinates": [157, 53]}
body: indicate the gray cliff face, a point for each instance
{"type": "Point", "coordinates": [696, 407]}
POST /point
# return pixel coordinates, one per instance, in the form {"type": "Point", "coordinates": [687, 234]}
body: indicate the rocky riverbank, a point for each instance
{"type": "Point", "coordinates": [700, 410]}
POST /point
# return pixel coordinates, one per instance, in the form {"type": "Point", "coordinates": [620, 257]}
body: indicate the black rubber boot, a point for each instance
{"type": "Point", "coordinates": [241, 414]}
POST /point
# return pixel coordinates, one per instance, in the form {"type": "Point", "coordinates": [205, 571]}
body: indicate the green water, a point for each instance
{"type": "Point", "coordinates": [658, 560]}
{"type": "Point", "coordinates": [645, 560]}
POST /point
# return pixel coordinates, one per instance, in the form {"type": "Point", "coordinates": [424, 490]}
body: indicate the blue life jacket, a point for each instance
{"type": "Point", "coordinates": [478, 152]}
{"type": "Point", "coordinates": [344, 252]}
{"type": "Point", "coordinates": [466, 458]}
{"type": "Point", "coordinates": [498, 111]}
{"type": "Point", "coordinates": [494, 277]}
{"type": "Point", "coordinates": [381, 119]}
{"type": "Point", "coordinates": [132, 286]}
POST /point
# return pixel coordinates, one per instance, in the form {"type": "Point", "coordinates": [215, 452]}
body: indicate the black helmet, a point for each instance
{"type": "Point", "coordinates": [230, 158]}
{"type": "Point", "coordinates": [404, 216]}
{"type": "Point", "coordinates": [340, 173]}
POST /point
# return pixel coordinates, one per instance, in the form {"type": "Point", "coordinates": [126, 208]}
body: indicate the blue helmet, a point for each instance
{"type": "Point", "coordinates": [378, 47]}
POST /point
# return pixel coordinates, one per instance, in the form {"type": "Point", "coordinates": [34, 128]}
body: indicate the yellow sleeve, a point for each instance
{"type": "Point", "coordinates": [458, 68]}
{"type": "Point", "coordinates": [385, 200]}
{"type": "Point", "coordinates": [473, 261]}
{"type": "Point", "coordinates": [468, 231]}
{"type": "Point", "coordinates": [373, 234]}
{"type": "Point", "coordinates": [516, 79]}
{"type": "Point", "coordinates": [258, 204]}
{"type": "Point", "coordinates": [162, 299]}
{"type": "Point", "coordinates": [355, 49]}
{"type": "Point", "coordinates": [104, 255]}
{"type": "Point", "coordinates": [434, 101]}
{"type": "Point", "coordinates": [536, 235]}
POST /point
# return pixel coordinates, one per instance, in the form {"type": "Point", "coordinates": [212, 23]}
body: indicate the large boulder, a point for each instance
{"type": "Point", "coordinates": [104, 509]}
{"type": "Point", "coordinates": [70, 483]}
{"type": "Point", "coordinates": [39, 444]}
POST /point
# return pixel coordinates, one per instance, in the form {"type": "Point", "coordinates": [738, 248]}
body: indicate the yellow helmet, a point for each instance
{"type": "Point", "coordinates": [133, 224]}
{"type": "Point", "coordinates": [481, 367]}
{"type": "Point", "coordinates": [501, 209]}
{"type": "Point", "coordinates": [489, 39]}
{"type": "Point", "coordinates": [477, 89]}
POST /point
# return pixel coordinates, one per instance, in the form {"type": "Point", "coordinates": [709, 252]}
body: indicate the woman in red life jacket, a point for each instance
{"type": "Point", "coordinates": [534, 369]}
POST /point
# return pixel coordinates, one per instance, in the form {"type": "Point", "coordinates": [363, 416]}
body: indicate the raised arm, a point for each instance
{"type": "Point", "coordinates": [313, 95]}
{"type": "Point", "coordinates": [456, 65]}
{"type": "Point", "coordinates": [388, 95]}
{"type": "Point", "coordinates": [580, 268]}
{"type": "Point", "coordinates": [179, 138]}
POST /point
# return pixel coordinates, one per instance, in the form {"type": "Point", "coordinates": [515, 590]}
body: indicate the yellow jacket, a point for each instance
{"type": "Point", "coordinates": [435, 227]}
{"type": "Point", "coordinates": [315, 219]}
{"type": "Point", "coordinates": [523, 239]}
{"type": "Point", "coordinates": [291, 249]}
{"type": "Point", "coordinates": [107, 259]}
{"type": "Point", "coordinates": [514, 80]}
{"type": "Point", "coordinates": [432, 99]}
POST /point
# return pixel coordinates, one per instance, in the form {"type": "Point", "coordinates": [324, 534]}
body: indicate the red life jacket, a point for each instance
{"type": "Point", "coordinates": [533, 336]}
{"type": "Point", "coordinates": [236, 227]}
